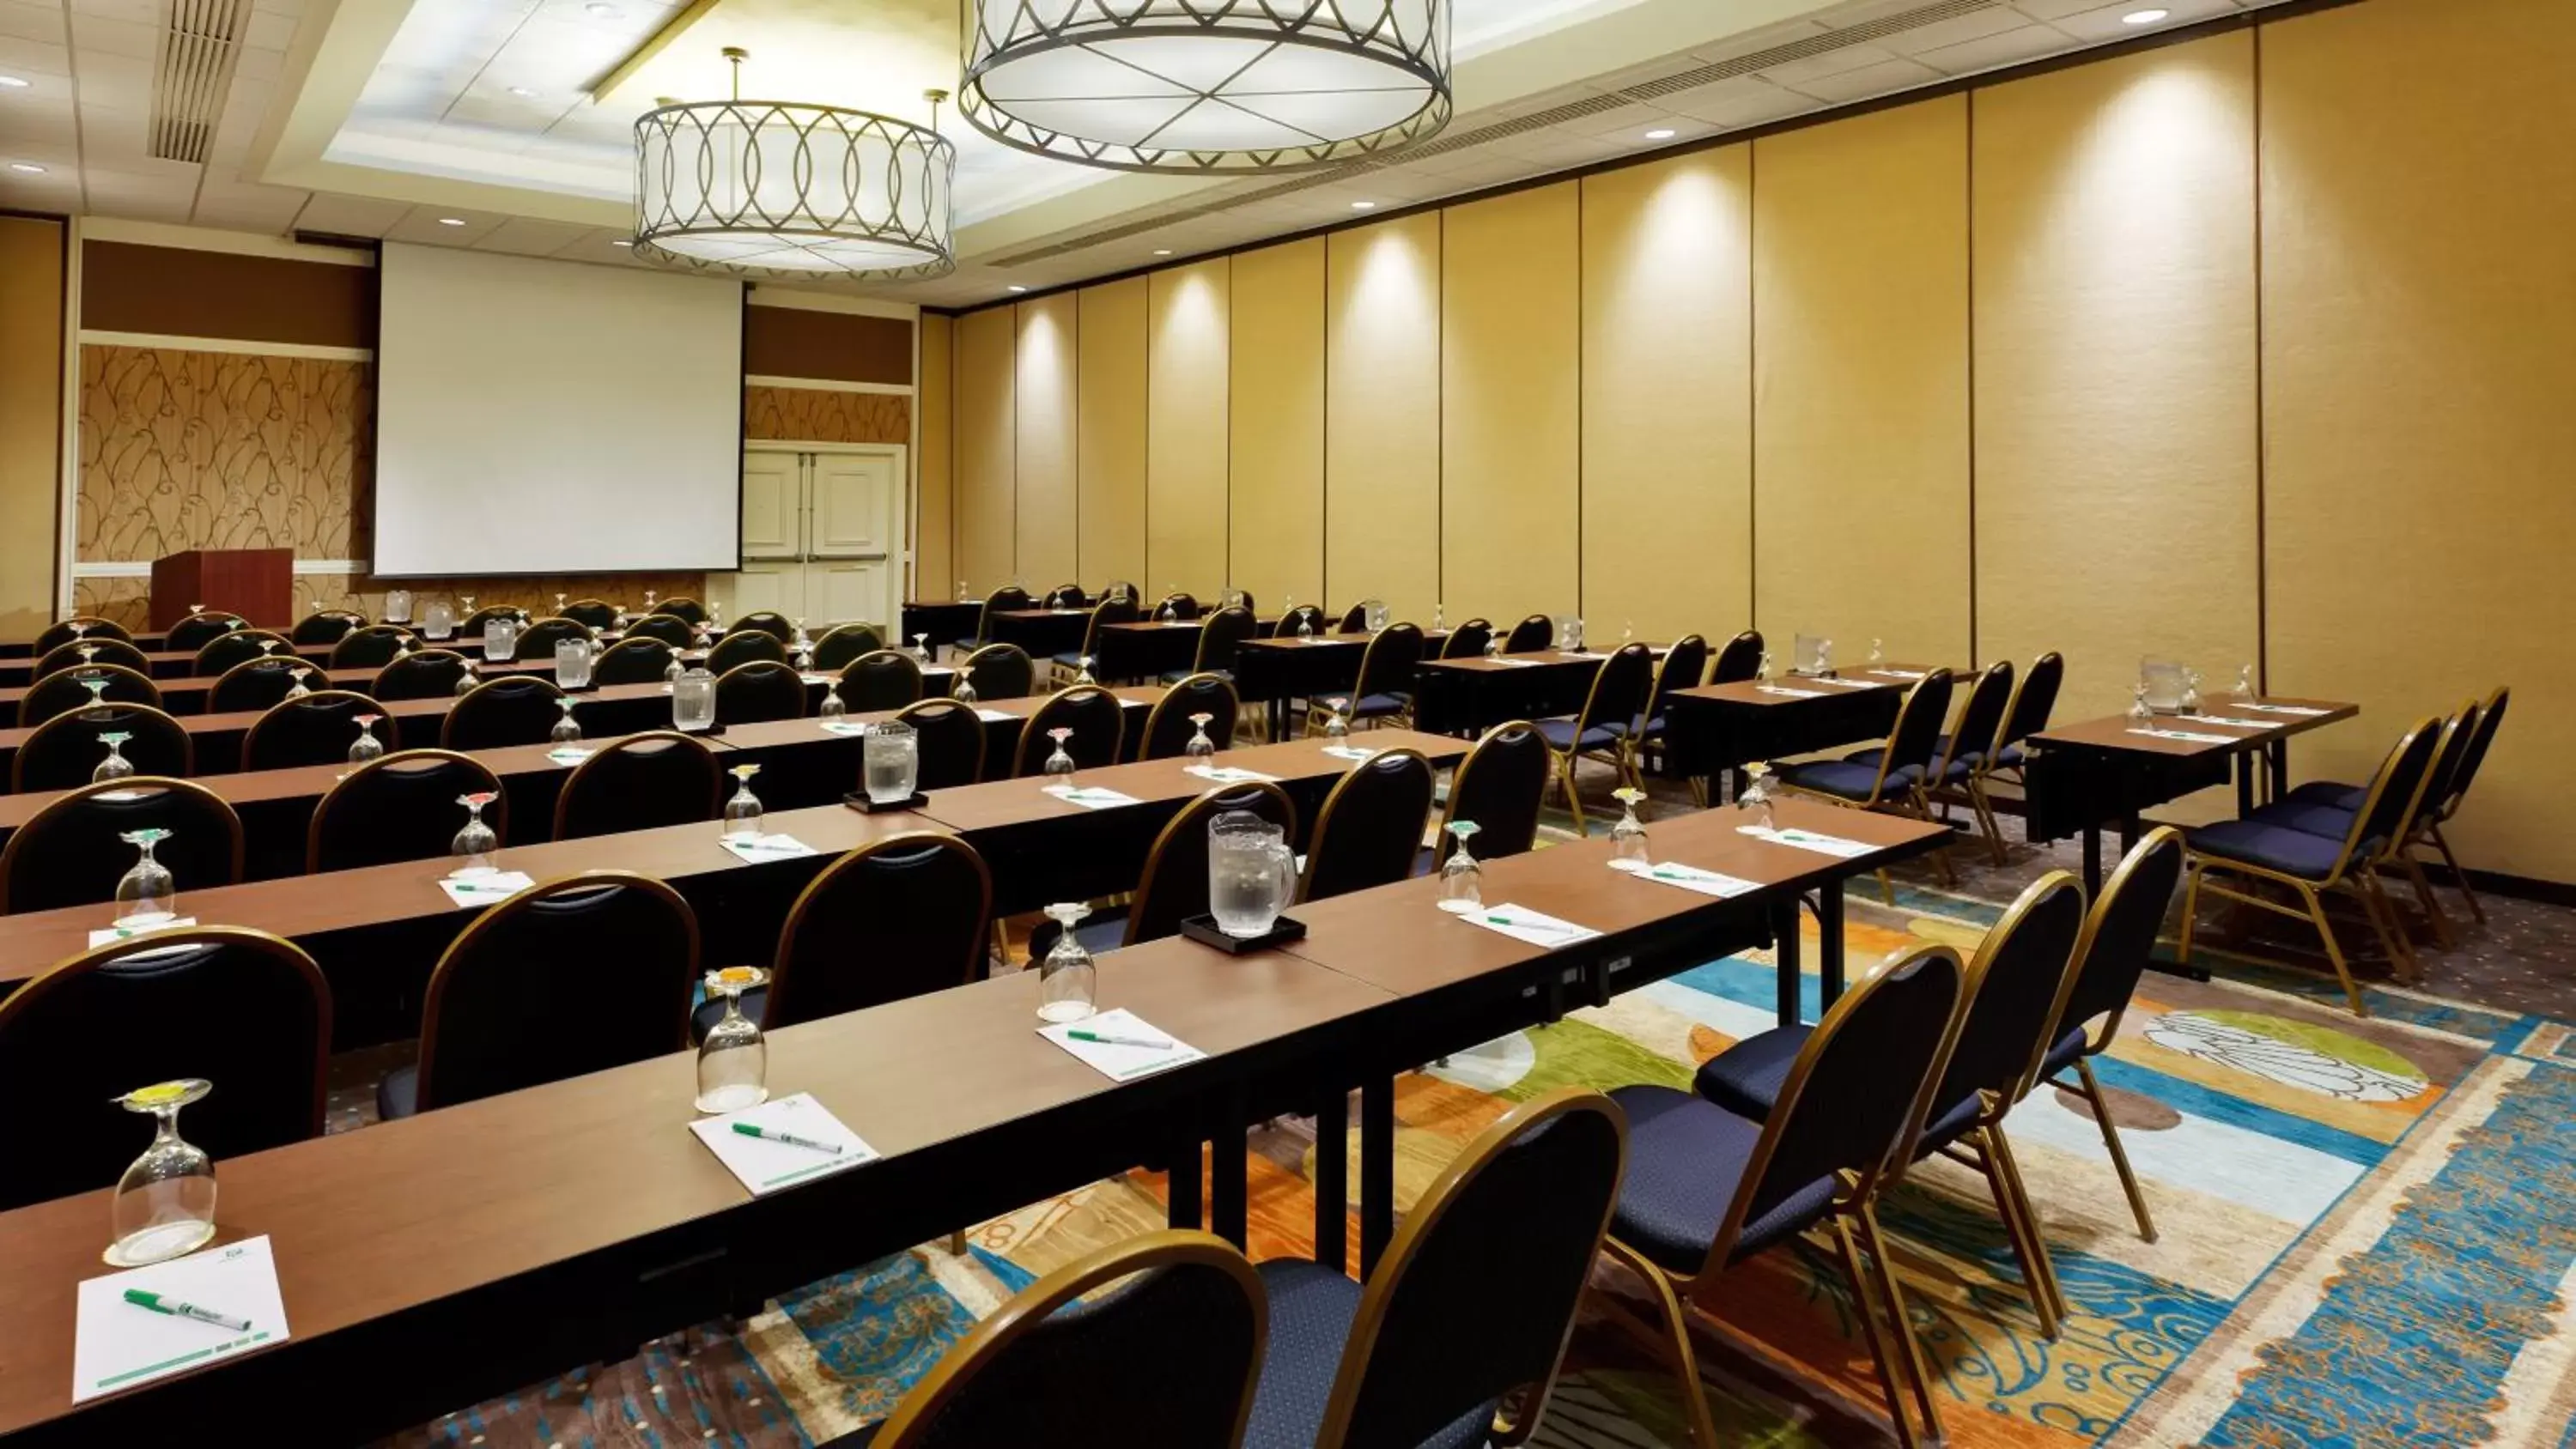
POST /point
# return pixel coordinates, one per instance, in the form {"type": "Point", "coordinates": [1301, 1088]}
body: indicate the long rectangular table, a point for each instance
{"type": "Point", "coordinates": [581, 1216]}
{"type": "Point", "coordinates": [1713, 729]}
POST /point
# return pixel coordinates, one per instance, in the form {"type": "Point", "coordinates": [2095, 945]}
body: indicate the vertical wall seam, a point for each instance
{"type": "Point", "coordinates": [1975, 641]}
{"type": "Point", "coordinates": [1581, 604]}
{"type": "Point", "coordinates": [1752, 384]}
{"type": "Point", "coordinates": [2262, 414]}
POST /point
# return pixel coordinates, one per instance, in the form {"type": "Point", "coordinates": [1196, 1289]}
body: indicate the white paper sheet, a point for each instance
{"type": "Point", "coordinates": [818, 678]}
{"type": "Point", "coordinates": [845, 727]}
{"type": "Point", "coordinates": [2187, 736]}
{"type": "Point", "coordinates": [766, 847]}
{"type": "Point", "coordinates": [1116, 1062]}
{"type": "Point", "coordinates": [1089, 797]}
{"type": "Point", "coordinates": [1788, 693]}
{"type": "Point", "coordinates": [107, 934]}
{"type": "Point", "coordinates": [764, 1166]}
{"type": "Point", "coordinates": [1833, 845]}
{"type": "Point", "coordinates": [117, 1345]}
{"type": "Point", "coordinates": [486, 890]}
{"type": "Point", "coordinates": [569, 755]}
{"type": "Point", "coordinates": [1899, 673]}
{"type": "Point", "coordinates": [1357, 753]}
{"type": "Point", "coordinates": [2301, 710]}
{"type": "Point", "coordinates": [1523, 924]}
{"type": "Point", "coordinates": [1228, 774]}
{"type": "Point", "coordinates": [1690, 878]}
{"type": "Point", "coordinates": [2220, 719]}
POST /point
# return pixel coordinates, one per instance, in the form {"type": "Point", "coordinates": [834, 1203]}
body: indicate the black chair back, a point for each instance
{"type": "Point", "coordinates": [1219, 638]}
{"type": "Point", "coordinates": [637, 659]}
{"type": "Point", "coordinates": [326, 626]}
{"type": "Point", "coordinates": [400, 806]}
{"type": "Point", "coordinates": [764, 689]}
{"type": "Point", "coordinates": [767, 621]}
{"type": "Point", "coordinates": [1620, 689]}
{"type": "Point", "coordinates": [2490, 718]}
{"type": "Point", "coordinates": [372, 646]}
{"type": "Point", "coordinates": [256, 684]}
{"type": "Point", "coordinates": [61, 753]}
{"type": "Point", "coordinates": [1308, 614]}
{"type": "Point", "coordinates": [895, 918]}
{"type": "Point", "coordinates": [592, 613]}
{"type": "Point", "coordinates": [1536, 632]}
{"type": "Point", "coordinates": [572, 976]}
{"type": "Point", "coordinates": [515, 709]}
{"type": "Point", "coordinates": [1175, 883]}
{"type": "Point", "coordinates": [2120, 933]}
{"type": "Point", "coordinates": [242, 1009]}
{"type": "Point", "coordinates": [834, 651]}
{"type": "Point", "coordinates": [1498, 786]}
{"type": "Point", "coordinates": [1002, 671]}
{"type": "Point", "coordinates": [1169, 727]}
{"type": "Point", "coordinates": [1177, 605]}
{"type": "Point", "coordinates": [2034, 699]}
{"type": "Point", "coordinates": [241, 645]}
{"type": "Point", "coordinates": [880, 680]}
{"type": "Point", "coordinates": [1917, 733]}
{"type": "Point", "coordinates": [1354, 619]}
{"type": "Point", "coordinates": [315, 730]}
{"type": "Point", "coordinates": [196, 631]}
{"type": "Point", "coordinates": [735, 650]}
{"type": "Point", "coordinates": [1008, 599]}
{"type": "Point", "coordinates": [1388, 664]}
{"type": "Point", "coordinates": [1981, 719]}
{"type": "Point", "coordinates": [1065, 596]}
{"type": "Point", "coordinates": [2390, 806]}
{"type": "Point", "coordinates": [91, 651]}
{"type": "Point", "coordinates": [2014, 985]}
{"type": "Point", "coordinates": [1474, 1300]}
{"type": "Point", "coordinates": [71, 852]}
{"type": "Point", "coordinates": [950, 740]}
{"type": "Point", "coordinates": [1370, 827]}
{"type": "Point", "coordinates": [1684, 666]}
{"type": "Point", "coordinates": [641, 782]}
{"type": "Point", "coordinates": [1154, 1341]}
{"type": "Point", "coordinates": [1098, 722]}
{"type": "Point", "coordinates": [671, 629]}
{"type": "Point", "coordinates": [1468, 640]}
{"type": "Point", "coordinates": [1856, 1094]}
{"type": "Point", "coordinates": [421, 674]}
{"type": "Point", "coordinates": [686, 610]}
{"type": "Point", "coordinates": [471, 626]}
{"type": "Point", "coordinates": [63, 690]}
{"type": "Point", "coordinates": [537, 641]}
{"type": "Point", "coordinates": [1116, 609]}
{"type": "Point", "coordinates": [1739, 661]}
{"type": "Point", "coordinates": [80, 627]}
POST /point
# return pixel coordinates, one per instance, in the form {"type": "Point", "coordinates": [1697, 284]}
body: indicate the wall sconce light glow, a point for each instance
{"type": "Point", "coordinates": [2144, 17]}
{"type": "Point", "coordinates": [451, 221]}
{"type": "Point", "coordinates": [1162, 251]}
{"type": "Point", "coordinates": [1363, 206]}
{"type": "Point", "coordinates": [29, 168]}
{"type": "Point", "coordinates": [621, 242]}
{"type": "Point", "coordinates": [1660, 133]}
{"type": "Point", "coordinates": [14, 82]}
{"type": "Point", "coordinates": [524, 92]}
{"type": "Point", "coordinates": [1016, 287]}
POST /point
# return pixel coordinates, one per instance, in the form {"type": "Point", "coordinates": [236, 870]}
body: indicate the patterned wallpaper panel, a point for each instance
{"type": "Point", "coordinates": [815, 415]}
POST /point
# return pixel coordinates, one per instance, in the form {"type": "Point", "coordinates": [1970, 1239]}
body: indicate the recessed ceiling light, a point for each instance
{"type": "Point", "coordinates": [621, 242]}
{"type": "Point", "coordinates": [1363, 206]}
{"type": "Point", "coordinates": [451, 221]}
{"type": "Point", "coordinates": [1162, 251]}
{"type": "Point", "coordinates": [523, 91]}
{"type": "Point", "coordinates": [29, 167]}
{"type": "Point", "coordinates": [14, 82]}
{"type": "Point", "coordinates": [1660, 133]}
{"type": "Point", "coordinates": [2144, 17]}
{"type": "Point", "coordinates": [605, 12]}
{"type": "Point", "coordinates": [1016, 287]}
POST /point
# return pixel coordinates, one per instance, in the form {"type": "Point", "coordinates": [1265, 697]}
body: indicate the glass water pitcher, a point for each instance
{"type": "Point", "coordinates": [1251, 873]}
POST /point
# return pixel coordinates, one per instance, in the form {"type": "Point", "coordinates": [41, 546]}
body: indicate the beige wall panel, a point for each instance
{"type": "Point", "coordinates": [1276, 517]}
{"type": "Point", "coordinates": [1511, 363]}
{"type": "Point", "coordinates": [2118, 468]}
{"type": "Point", "coordinates": [987, 500]}
{"type": "Point", "coordinates": [31, 420]}
{"type": "Point", "coordinates": [1382, 409]}
{"type": "Point", "coordinates": [2418, 192]}
{"type": "Point", "coordinates": [1185, 487]}
{"type": "Point", "coordinates": [934, 568]}
{"type": "Point", "coordinates": [1109, 451]}
{"type": "Point", "coordinates": [1047, 529]}
{"type": "Point", "coordinates": [1668, 397]}
{"type": "Point", "coordinates": [1860, 347]}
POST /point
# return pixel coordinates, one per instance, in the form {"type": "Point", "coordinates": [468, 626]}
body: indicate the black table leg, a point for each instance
{"type": "Point", "coordinates": [2278, 752]}
{"type": "Point", "coordinates": [1229, 1163]}
{"type": "Point", "coordinates": [1182, 1208]}
{"type": "Point", "coordinates": [1829, 945]}
{"type": "Point", "coordinates": [1377, 1169]}
{"type": "Point", "coordinates": [1784, 951]}
{"type": "Point", "coordinates": [1333, 1181]}
{"type": "Point", "coordinates": [2245, 772]}
{"type": "Point", "coordinates": [2092, 861]}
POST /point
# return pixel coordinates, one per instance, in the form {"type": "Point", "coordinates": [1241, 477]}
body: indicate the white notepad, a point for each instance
{"type": "Point", "coordinates": [844, 727]}
{"type": "Point", "coordinates": [110, 934]}
{"type": "Point", "coordinates": [995, 716]}
{"type": "Point", "coordinates": [1852, 683]}
{"type": "Point", "coordinates": [765, 1166]}
{"type": "Point", "coordinates": [1511, 663]}
{"type": "Point", "coordinates": [487, 889]}
{"type": "Point", "coordinates": [1118, 1062]}
{"type": "Point", "coordinates": [1228, 774]}
{"type": "Point", "coordinates": [569, 754]}
{"type": "Point", "coordinates": [1350, 752]}
{"type": "Point", "coordinates": [2220, 719]}
{"type": "Point", "coordinates": [2187, 736]}
{"type": "Point", "coordinates": [1689, 878]}
{"type": "Point", "coordinates": [2300, 710]}
{"type": "Point", "coordinates": [1788, 693]}
{"type": "Point", "coordinates": [818, 678]}
{"type": "Point", "coordinates": [1833, 845]}
{"type": "Point", "coordinates": [1899, 673]}
{"type": "Point", "coordinates": [1523, 924]}
{"type": "Point", "coordinates": [117, 1345]}
{"type": "Point", "coordinates": [1089, 797]}
{"type": "Point", "coordinates": [765, 847]}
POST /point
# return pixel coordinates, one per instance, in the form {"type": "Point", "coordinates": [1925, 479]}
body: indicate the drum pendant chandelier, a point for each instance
{"type": "Point", "coordinates": [780, 189]}
{"type": "Point", "coordinates": [1207, 87]}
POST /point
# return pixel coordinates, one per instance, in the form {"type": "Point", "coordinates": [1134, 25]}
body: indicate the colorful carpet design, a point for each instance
{"type": "Point", "coordinates": [2367, 1237]}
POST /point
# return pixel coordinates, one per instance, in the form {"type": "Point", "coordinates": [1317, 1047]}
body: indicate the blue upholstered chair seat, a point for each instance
{"type": "Point", "coordinates": [1945, 1127]}
{"type": "Point", "coordinates": [2063, 1054]}
{"type": "Point", "coordinates": [1845, 780]}
{"type": "Point", "coordinates": [1069, 659]}
{"type": "Point", "coordinates": [1559, 734]}
{"type": "Point", "coordinates": [1958, 773]}
{"type": "Point", "coordinates": [2011, 757]}
{"type": "Point", "coordinates": [2327, 820]}
{"type": "Point", "coordinates": [2329, 794]}
{"type": "Point", "coordinates": [710, 1011]}
{"type": "Point", "coordinates": [2272, 847]}
{"type": "Point", "coordinates": [398, 1094]}
{"type": "Point", "coordinates": [1374, 706]}
{"type": "Point", "coordinates": [1311, 1308]}
{"type": "Point", "coordinates": [1746, 1078]}
{"type": "Point", "coordinates": [1686, 1159]}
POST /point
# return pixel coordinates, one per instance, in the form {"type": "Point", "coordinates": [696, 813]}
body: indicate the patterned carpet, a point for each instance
{"type": "Point", "coordinates": [2368, 1231]}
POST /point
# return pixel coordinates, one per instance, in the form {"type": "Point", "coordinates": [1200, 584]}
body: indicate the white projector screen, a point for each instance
{"type": "Point", "coordinates": [539, 417]}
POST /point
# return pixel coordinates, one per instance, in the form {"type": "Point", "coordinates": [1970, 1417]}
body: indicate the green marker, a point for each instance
{"type": "Point", "coordinates": [141, 1298]}
{"type": "Point", "coordinates": [1106, 1039]}
{"type": "Point", "coordinates": [768, 1134]}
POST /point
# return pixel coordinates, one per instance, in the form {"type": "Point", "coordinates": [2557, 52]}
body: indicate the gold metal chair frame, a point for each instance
{"type": "Point", "coordinates": [1063, 678]}
{"type": "Point", "coordinates": [1855, 1219]}
{"type": "Point", "coordinates": [112, 672]}
{"type": "Point", "coordinates": [2356, 872]}
{"type": "Point", "coordinates": [1912, 802]}
{"type": "Point", "coordinates": [70, 800]}
{"type": "Point", "coordinates": [1972, 791]}
{"type": "Point", "coordinates": [497, 814]}
{"type": "Point", "coordinates": [2424, 830]}
{"type": "Point", "coordinates": [1174, 699]}
{"type": "Point", "coordinates": [26, 747]}
{"type": "Point", "coordinates": [1621, 757]}
{"type": "Point", "coordinates": [573, 781]}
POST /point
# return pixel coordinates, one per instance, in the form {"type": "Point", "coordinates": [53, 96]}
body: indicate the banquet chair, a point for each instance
{"type": "Point", "coordinates": [71, 852]}
{"type": "Point", "coordinates": [198, 630]}
{"type": "Point", "coordinates": [899, 917]}
{"type": "Point", "coordinates": [515, 709]}
{"type": "Point", "coordinates": [2034, 698]}
{"type": "Point", "coordinates": [949, 742]}
{"type": "Point", "coordinates": [241, 645]}
{"type": "Point", "coordinates": [768, 621]}
{"type": "Point", "coordinates": [1530, 635]}
{"type": "Point", "coordinates": [1370, 826]}
{"type": "Point", "coordinates": [1168, 727]}
{"type": "Point", "coordinates": [759, 691]}
{"type": "Point", "coordinates": [89, 626]}
{"type": "Point", "coordinates": [1001, 671]}
{"type": "Point", "coordinates": [642, 782]}
{"type": "Point", "coordinates": [1385, 682]}
{"type": "Point", "coordinates": [537, 641]}
{"type": "Point", "coordinates": [420, 674]}
{"type": "Point", "coordinates": [81, 652]}
{"type": "Point", "coordinates": [671, 629]}
{"type": "Point", "coordinates": [258, 682]}
{"type": "Point", "coordinates": [327, 626]}
{"type": "Point", "coordinates": [400, 806]}
{"type": "Point", "coordinates": [1606, 729]}
{"type": "Point", "coordinates": [369, 646]}
{"type": "Point", "coordinates": [1220, 636]}
{"type": "Point", "coordinates": [1010, 598]}
{"type": "Point", "coordinates": [65, 751]}
{"type": "Point", "coordinates": [880, 680]}
{"type": "Point", "coordinates": [63, 691]}
{"type": "Point", "coordinates": [1174, 885]}
{"type": "Point", "coordinates": [1468, 640]}
{"type": "Point", "coordinates": [1094, 715]}
{"type": "Point", "coordinates": [1500, 785]}
{"type": "Point", "coordinates": [635, 659]}
{"type": "Point", "coordinates": [846, 642]}
{"type": "Point", "coordinates": [317, 729]}
{"type": "Point", "coordinates": [735, 650]}
{"type": "Point", "coordinates": [1117, 609]}
{"type": "Point", "coordinates": [1890, 777]}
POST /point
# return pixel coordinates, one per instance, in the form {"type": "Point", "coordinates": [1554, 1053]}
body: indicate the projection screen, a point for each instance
{"type": "Point", "coordinates": [543, 417]}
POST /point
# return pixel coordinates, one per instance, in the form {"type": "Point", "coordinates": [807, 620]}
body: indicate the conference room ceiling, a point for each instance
{"type": "Point", "coordinates": [507, 125]}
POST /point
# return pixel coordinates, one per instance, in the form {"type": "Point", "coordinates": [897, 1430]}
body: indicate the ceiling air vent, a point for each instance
{"type": "Point", "coordinates": [199, 42]}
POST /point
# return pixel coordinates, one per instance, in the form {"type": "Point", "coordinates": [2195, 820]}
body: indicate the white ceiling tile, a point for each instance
{"type": "Point", "coordinates": [1869, 81]}
{"type": "Point", "coordinates": [35, 59]}
{"type": "Point", "coordinates": [423, 224]}
{"type": "Point", "coordinates": [2055, 9]}
{"type": "Point", "coordinates": [1832, 62]}
{"type": "Point", "coordinates": [99, 35]}
{"type": "Point", "coordinates": [245, 206]}
{"type": "Point", "coordinates": [1625, 120]}
{"type": "Point", "coordinates": [52, 126]}
{"type": "Point", "coordinates": [1957, 30]}
{"type": "Point", "coordinates": [263, 66]}
{"type": "Point", "coordinates": [268, 30]}
{"type": "Point", "coordinates": [524, 237]}
{"type": "Point", "coordinates": [351, 215]}
{"type": "Point", "coordinates": [115, 134]}
{"type": "Point", "coordinates": [1743, 101]}
{"type": "Point", "coordinates": [55, 191]}
{"type": "Point", "coordinates": [31, 20]}
{"type": "Point", "coordinates": [2104, 23]}
{"type": "Point", "coordinates": [143, 196]}
{"type": "Point", "coordinates": [2011, 47]}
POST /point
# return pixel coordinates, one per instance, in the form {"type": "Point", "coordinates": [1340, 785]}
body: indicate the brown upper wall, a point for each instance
{"type": "Point", "coordinates": [181, 292]}
{"type": "Point", "coordinates": [826, 346]}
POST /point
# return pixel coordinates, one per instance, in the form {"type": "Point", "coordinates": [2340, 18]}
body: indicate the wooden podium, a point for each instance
{"type": "Point", "coordinates": [256, 583]}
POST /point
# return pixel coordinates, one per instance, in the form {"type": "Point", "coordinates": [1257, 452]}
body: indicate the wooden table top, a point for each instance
{"type": "Point", "coordinates": [997, 804]}
{"type": "Point", "coordinates": [2118, 732]}
{"type": "Point", "coordinates": [1506, 663]}
{"type": "Point", "coordinates": [372, 1223]}
{"type": "Point", "coordinates": [1851, 681]}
